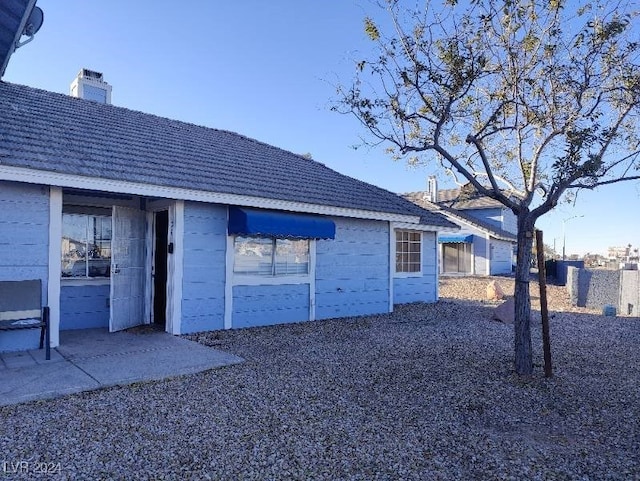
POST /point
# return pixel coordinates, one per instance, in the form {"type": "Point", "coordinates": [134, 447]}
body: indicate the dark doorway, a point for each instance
{"type": "Point", "coordinates": [160, 268]}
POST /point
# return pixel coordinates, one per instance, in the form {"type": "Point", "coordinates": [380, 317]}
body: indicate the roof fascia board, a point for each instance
{"type": "Point", "coordinates": [32, 176]}
{"type": "Point", "coordinates": [16, 38]}
{"type": "Point", "coordinates": [423, 227]}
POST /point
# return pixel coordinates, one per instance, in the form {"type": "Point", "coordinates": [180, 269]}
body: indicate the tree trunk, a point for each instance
{"type": "Point", "coordinates": [522, 319]}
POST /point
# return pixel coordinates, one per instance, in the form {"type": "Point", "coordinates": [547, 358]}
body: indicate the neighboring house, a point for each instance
{"type": "Point", "coordinates": [486, 243]}
{"type": "Point", "coordinates": [14, 17]}
{"type": "Point", "coordinates": [129, 218]}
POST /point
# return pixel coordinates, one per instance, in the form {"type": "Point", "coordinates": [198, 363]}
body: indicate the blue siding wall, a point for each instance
{"type": "Point", "coordinates": [480, 255]}
{"type": "Point", "coordinates": [84, 307]}
{"type": "Point", "coordinates": [205, 243]}
{"type": "Point", "coordinates": [490, 216]}
{"type": "Point", "coordinates": [267, 305]}
{"type": "Point", "coordinates": [24, 247]}
{"type": "Point", "coordinates": [509, 221]}
{"type": "Point", "coordinates": [352, 271]}
{"type": "Point", "coordinates": [419, 289]}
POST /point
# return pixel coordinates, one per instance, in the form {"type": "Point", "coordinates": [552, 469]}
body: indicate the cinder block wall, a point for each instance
{"type": "Point", "coordinates": [629, 293]}
{"type": "Point", "coordinates": [571, 283]}
{"type": "Point", "coordinates": [596, 288]}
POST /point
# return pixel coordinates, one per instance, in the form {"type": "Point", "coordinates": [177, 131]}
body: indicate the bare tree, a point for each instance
{"type": "Point", "coordinates": [527, 100]}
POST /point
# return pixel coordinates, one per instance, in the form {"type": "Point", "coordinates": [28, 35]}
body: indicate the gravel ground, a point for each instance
{"type": "Point", "coordinates": [426, 393]}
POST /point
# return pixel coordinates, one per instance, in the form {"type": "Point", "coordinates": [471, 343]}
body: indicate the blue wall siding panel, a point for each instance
{"type": "Point", "coordinates": [490, 216]}
{"type": "Point", "coordinates": [419, 289]}
{"type": "Point", "coordinates": [205, 244]}
{"type": "Point", "coordinates": [509, 221]}
{"type": "Point", "coordinates": [24, 247]}
{"type": "Point", "coordinates": [268, 305]}
{"type": "Point", "coordinates": [352, 271]}
{"type": "Point", "coordinates": [84, 307]}
{"type": "Point", "coordinates": [480, 255]}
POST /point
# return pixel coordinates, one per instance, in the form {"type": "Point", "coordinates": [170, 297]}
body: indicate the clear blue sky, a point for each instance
{"type": "Point", "coordinates": [267, 70]}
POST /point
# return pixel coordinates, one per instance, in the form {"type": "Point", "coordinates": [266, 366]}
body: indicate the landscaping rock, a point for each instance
{"type": "Point", "coordinates": [505, 312]}
{"type": "Point", "coordinates": [494, 291]}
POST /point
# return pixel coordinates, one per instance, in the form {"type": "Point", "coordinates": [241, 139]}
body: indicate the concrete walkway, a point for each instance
{"type": "Point", "coordinates": [93, 358]}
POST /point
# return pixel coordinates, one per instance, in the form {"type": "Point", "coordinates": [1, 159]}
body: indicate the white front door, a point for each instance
{"type": "Point", "coordinates": [127, 268]}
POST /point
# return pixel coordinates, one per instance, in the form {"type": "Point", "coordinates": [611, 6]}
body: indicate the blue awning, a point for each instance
{"type": "Point", "coordinates": [456, 239]}
{"type": "Point", "coordinates": [266, 223]}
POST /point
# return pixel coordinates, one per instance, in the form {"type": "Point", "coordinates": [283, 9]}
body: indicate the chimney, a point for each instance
{"type": "Point", "coordinates": [89, 85]}
{"type": "Point", "coordinates": [432, 189]}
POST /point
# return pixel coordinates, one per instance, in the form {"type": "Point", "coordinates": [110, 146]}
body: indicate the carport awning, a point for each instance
{"type": "Point", "coordinates": [266, 223]}
{"type": "Point", "coordinates": [456, 239]}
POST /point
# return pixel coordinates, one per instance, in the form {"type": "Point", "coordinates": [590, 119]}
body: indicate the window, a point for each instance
{"type": "Point", "coordinates": [86, 246]}
{"type": "Point", "coordinates": [456, 257]}
{"type": "Point", "coordinates": [408, 251]}
{"type": "Point", "coordinates": [267, 257]}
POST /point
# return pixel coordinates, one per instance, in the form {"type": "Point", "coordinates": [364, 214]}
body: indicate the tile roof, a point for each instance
{"type": "Point", "coordinates": [465, 199]}
{"type": "Point", "coordinates": [418, 198]}
{"type": "Point", "coordinates": [54, 132]}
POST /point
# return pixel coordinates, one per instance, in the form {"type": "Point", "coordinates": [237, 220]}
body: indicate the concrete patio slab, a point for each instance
{"type": "Point", "coordinates": [94, 358]}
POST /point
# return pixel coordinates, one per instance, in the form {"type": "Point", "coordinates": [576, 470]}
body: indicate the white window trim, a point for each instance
{"type": "Point", "coordinates": [404, 275]}
{"type": "Point", "coordinates": [248, 280]}
{"type": "Point", "coordinates": [85, 281]}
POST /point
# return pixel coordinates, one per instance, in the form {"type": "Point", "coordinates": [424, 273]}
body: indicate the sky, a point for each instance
{"type": "Point", "coordinates": [267, 70]}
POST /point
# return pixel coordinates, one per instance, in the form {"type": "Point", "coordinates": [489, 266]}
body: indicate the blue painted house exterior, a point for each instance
{"type": "Point", "coordinates": [126, 218]}
{"type": "Point", "coordinates": [485, 244]}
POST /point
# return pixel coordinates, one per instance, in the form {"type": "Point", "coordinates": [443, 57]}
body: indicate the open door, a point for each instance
{"type": "Point", "coordinates": [160, 271]}
{"type": "Point", "coordinates": [127, 268]}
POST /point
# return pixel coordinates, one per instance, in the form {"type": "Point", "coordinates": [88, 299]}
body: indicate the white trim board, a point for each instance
{"type": "Point", "coordinates": [21, 174]}
{"type": "Point", "coordinates": [240, 280]}
{"type": "Point", "coordinates": [392, 263]}
{"type": "Point", "coordinates": [175, 268]}
{"type": "Point", "coordinates": [312, 280]}
{"type": "Point", "coordinates": [423, 227]}
{"type": "Point", "coordinates": [55, 261]}
{"type": "Point", "coordinates": [228, 282]}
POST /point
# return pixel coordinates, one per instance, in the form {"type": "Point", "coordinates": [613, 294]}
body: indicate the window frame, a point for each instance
{"type": "Point", "coordinates": [86, 278]}
{"type": "Point", "coordinates": [401, 273]}
{"type": "Point", "coordinates": [240, 278]}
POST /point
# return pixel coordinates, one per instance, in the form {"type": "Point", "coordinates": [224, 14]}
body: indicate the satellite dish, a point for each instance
{"type": "Point", "coordinates": [34, 22]}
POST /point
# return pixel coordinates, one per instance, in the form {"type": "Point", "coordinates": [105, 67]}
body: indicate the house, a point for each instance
{"type": "Point", "coordinates": [129, 218]}
{"type": "Point", "coordinates": [486, 242]}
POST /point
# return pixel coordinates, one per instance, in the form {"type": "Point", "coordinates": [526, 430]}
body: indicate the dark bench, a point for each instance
{"type": "Point", "coordinates": [21, 308]}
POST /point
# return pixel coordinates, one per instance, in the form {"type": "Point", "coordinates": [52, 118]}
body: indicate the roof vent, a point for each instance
{"type": "Point", "coordinates": [90, 85]}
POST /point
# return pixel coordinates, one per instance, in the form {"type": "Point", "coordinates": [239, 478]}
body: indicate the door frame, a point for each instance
{"type": "Point", "coordinates": [175, 236]}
